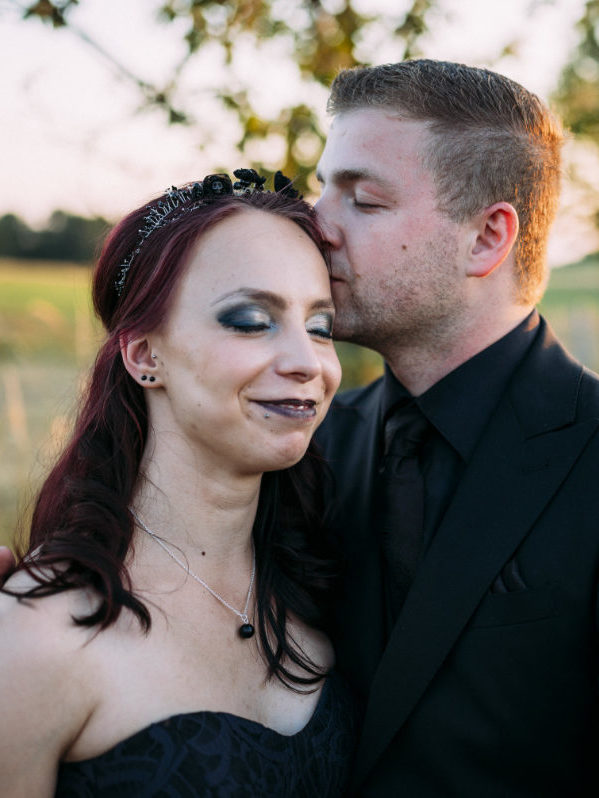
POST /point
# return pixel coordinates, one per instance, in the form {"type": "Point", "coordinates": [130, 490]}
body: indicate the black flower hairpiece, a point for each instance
{"type": "Point", "coordinates": [182, 200]}
{"type": "Point", "coordinates": [215, 186]}
{"type": "Point", "coordinates": [246, 178]}
{"type": "Point", "coordinates": [284, 185]}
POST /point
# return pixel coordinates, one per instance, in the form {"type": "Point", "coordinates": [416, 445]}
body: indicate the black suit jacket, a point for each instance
{"type": "Point", "coordinates": [479, 694]}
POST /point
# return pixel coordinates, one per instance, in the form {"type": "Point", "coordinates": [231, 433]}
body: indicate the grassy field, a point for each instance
{"type": "Point", "coordinates": [48, 338]}
{"type": "Point", "coordinates": [47, 341]}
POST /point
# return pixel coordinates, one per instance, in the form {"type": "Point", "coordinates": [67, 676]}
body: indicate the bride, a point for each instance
{"type": "Point", "coordinates": [167, 626]}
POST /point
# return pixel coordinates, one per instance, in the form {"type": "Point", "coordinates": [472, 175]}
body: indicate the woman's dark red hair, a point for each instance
{"type": "Point", "coordinates": [81, 528]}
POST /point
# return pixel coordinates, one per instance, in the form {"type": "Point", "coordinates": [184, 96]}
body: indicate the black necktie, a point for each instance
{"type": "Point", "coordinates": [402, 541]}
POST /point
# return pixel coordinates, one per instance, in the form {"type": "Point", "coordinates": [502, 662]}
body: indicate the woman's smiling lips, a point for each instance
{"type": "Point", "coordinates": [292, 408]}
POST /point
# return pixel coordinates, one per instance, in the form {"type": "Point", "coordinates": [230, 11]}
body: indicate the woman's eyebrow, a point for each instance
{"type": "Point", "coordinates": [255, 294]}
{"type": "Point", "coordinates": [323, 304]}
{"type": "Point", "coordinates": [270, 298]}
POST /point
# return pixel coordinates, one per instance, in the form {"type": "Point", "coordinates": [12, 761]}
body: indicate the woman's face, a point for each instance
{"type": "Point", "coordinates": [246, 364]}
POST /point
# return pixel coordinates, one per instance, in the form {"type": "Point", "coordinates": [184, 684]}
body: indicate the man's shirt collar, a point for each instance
{"type": "Point", "coordinates": [460, 404]}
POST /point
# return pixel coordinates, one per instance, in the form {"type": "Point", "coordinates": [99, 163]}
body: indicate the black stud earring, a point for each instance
{"type": "Point", "coordinates": [152, 378]}
{"type": "Point", "coordinates": [144, 377]}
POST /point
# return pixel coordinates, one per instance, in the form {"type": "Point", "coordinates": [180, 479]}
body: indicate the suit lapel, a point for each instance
{"type": "Point", "coordinates": [361, 633]}
{"type": "Point", "coordinates": [512, 476]}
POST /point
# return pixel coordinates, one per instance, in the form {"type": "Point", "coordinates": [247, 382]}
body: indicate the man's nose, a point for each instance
{"type": "Point", "coordinates": [327, 220]}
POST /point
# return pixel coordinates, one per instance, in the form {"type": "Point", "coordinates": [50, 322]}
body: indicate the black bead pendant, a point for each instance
{"type": "Point", "coordinates": [246, 630]}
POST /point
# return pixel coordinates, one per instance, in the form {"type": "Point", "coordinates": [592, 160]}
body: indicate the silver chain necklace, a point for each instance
{"type": "Point", "coordinates": [246, 629]}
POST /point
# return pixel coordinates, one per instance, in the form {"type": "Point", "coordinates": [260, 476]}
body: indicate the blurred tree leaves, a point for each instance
{"type": "Point", "coordinates": [50, 12]}
{"type": "Point", "coordinates": [322, 37]}
{"type": "Point", "coordinates": [577, 97]}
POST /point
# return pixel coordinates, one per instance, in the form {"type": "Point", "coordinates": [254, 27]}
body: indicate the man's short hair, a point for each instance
{"type": "Point", "coordinates": [491, 140]}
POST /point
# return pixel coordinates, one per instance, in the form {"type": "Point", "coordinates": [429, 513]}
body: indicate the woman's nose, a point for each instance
{"type": "Point", "coordinates": [298, 357]}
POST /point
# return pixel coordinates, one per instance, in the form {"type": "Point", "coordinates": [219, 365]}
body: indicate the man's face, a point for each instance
{"type": "Point", "coordinates": [395, 274]}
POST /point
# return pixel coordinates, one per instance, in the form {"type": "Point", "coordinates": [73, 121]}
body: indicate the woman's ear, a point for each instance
{"type": "Point", "coordinates": [140, 361]}
{"type": "Point", "coordinates": [495, 235]}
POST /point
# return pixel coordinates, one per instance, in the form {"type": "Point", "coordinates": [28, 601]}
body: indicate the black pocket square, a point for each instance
{"type": "Point", "coordinates": [509, 580]}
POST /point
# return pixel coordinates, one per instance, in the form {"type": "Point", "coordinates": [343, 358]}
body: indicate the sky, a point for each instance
{"type": "Point", "coordinates": [73, 135]}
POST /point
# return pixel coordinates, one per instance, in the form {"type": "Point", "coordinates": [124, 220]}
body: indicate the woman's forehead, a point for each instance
{"type": "Point", "coordinates": [255, 246]}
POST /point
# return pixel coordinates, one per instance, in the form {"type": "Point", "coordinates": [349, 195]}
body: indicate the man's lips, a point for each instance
{"type": "Point", "coordinates": [292, 408]}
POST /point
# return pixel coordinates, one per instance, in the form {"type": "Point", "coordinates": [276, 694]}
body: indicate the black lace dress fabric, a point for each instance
{"type": "Point", "coordinates": [224, 756]}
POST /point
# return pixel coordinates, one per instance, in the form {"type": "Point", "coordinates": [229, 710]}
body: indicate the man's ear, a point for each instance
{"type": "Point", "coordinates": [494, 235]}
{"type": "Point", "coordinates": [140, 361]}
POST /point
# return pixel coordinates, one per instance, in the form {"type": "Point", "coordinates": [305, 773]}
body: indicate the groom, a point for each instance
{"type": "Point", "coordinates": [468, 476]}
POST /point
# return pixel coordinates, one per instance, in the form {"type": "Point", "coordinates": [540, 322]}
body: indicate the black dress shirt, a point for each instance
{"type": "Point", "coordinates": [458, 408]}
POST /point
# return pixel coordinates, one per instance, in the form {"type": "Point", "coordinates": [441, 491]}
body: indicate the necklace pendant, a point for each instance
{"type": "Point", "coordinates": [246, 631]}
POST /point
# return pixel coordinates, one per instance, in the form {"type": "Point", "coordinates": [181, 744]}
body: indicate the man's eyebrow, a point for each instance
{"type": "Point", "coordinates": [270, 298]}
{"type": "Point", "coordinates": [341, 176]}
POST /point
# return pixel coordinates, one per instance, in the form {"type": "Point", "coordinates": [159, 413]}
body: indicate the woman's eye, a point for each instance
{"type": "Point", "coordinates": [321, 325]}
{"type": "Point", "coordinates": [247, 320]}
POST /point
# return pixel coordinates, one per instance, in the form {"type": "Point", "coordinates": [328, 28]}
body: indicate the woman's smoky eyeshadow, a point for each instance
{"type": "Point", "coordinates": [245, 316]}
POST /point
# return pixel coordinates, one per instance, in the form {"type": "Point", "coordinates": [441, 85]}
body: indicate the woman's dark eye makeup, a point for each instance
{"type": "Point", "coordinates": [321, 324]}
{"type": "Point", "coordinates": [246, 318]}
{"type": "Point", "coordinates": [253, 318]}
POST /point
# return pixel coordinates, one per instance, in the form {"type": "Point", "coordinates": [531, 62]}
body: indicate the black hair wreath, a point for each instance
{"type": "Point", "coordinates": [211, 188]}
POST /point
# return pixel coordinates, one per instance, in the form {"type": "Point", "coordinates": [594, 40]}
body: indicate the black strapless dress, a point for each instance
{"type": "Point", "coordinates": [218, 754]}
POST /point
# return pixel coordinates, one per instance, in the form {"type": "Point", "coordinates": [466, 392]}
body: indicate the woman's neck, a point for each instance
{"type": "Point", "coordinates": [197, 508]}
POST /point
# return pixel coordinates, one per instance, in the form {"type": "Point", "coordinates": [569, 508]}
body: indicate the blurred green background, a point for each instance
{"type": "Point", "coordinates": [48, 337]}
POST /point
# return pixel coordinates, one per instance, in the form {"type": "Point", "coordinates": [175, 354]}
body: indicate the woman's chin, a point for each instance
{"type": "Point", "coordinates": [285, 457]}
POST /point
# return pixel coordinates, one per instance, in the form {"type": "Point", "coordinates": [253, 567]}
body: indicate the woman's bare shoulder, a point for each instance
{"type": "Point", "coordinates": [49, 617]}
{"type": "Point", "coordinates": [45, 692]}
{"type": "Point", "coordinates": [41, 646]}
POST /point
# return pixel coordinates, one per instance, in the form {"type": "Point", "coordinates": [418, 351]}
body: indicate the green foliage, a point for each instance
{"type": "Point", "coordinates": [359, 366]}
{"type": "Point", "coordinates": [321, 38]}
{"type": "Point", "coordinates": [577, 96]}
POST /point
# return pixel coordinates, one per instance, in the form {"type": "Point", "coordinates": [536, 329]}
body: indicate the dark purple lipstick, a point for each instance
{"type": "Point", "coordinates": [292, 408]}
